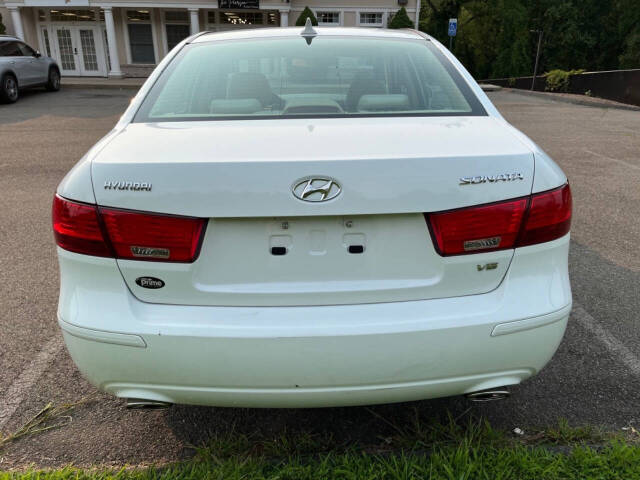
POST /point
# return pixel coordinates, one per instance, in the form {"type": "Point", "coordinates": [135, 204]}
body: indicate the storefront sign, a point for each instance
{"type": "Point", "coordinates": [239, 4]}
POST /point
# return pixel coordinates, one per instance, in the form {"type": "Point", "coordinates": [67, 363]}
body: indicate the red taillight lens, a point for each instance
{"type": "Point", "coordinates": [131, 235]}
{"type": "Point", "coordinates": [147, 236]}
{"type": "Point", "coordinates": [549, 217]}
{"type": "Point", "coordinates": [76, 228]}
{"type": "Point", "coordinates": [484, 228]}
{"type": "Point", "coordinates": [499, 226]}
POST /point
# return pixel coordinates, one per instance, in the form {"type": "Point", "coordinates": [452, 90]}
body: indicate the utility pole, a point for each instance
{"type": "Point", "coordinates": [535, 68]}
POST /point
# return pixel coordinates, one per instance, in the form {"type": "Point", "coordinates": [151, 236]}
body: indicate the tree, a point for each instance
{"type": "Point", "coordinates": [302, 19]}
{"type": "Point", "coordinates": [3, 29]}
{"type": "Point", "coordinates": [495, 38]}
{"type": "Point", "coordinates": [401, 20]}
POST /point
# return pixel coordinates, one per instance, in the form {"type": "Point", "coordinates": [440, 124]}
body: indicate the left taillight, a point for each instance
{"type": "Point", "coordinates": [76, 228]}
{"type": "Point", "coordinates": [108, 232]}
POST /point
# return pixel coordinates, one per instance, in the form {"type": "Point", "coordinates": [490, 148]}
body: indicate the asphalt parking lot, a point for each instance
{"type": "Point", "coordinates": [594, 378]}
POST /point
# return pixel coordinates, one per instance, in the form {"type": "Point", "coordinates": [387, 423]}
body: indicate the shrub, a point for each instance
{"type": "Point", "coordinates": [302, 19]}
{"type": "Point", "coordinates": [558, 80]}
{"type": "Point", "coordinates": [511, 82]}
{"type": "Point", "coordinates": [401, 20]}
{"type": "Point", "coordinates": [3, 29]}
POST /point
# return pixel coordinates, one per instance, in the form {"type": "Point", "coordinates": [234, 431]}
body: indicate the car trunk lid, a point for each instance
{"type": "Point", "coordinates": [264, 246]}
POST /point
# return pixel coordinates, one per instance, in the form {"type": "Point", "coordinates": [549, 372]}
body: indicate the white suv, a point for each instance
{"type": "Point", "coordinates": [312, 217]}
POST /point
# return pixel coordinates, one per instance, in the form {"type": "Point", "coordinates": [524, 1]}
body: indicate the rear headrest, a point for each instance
{"type": "Point", "coordinates": [383, 103]}
{"type": "Point", "coordinates": [250, 85]}
{"type": "Point", "coordinates": [364, 83]}
{"type": "Point", "coordinates": [236, 106]}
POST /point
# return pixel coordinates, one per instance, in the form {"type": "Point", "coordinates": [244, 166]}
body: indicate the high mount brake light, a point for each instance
{"type": "Point", "coordinates": [108, 232]}
{"type": "Point", "coordinates": [538, 218]}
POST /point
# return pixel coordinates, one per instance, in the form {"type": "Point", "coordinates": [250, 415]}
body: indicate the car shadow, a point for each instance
{"type": "Point", "coordinates": [341, 427]}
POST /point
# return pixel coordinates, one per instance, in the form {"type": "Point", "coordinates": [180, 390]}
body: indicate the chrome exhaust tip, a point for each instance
{"type": "Point", "coordinates": [142, 404]}
{"type": "Point", "coordinates": [490, 395]}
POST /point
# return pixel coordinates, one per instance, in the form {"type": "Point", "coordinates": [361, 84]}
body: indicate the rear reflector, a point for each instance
{"type": "Point", "coordinates": [539, 218]}
{"type": "Point", "coordinates": [107, 232]}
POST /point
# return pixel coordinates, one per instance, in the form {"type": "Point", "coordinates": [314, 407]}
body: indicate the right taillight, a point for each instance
{"type": "Point", "coordinates": [549, 217]}
{"type": "Point", "coordinates": [108, 232]}
{"type": "Point", "coordinates": [539, 218]}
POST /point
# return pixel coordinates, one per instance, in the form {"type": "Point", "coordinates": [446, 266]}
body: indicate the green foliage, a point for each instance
{"type": "Point", "coordinates": [3, 29]}
{"type": "Point", "coordinates": [495, 38]}
{"type": "Point", "coordinates": [558, 80]}
{"type": "Point", "coordinates": [615, 461]}
{"type": "Point", "coordinates": [302, 19]}
{"type": "Point", "coordinates": [401, 20]}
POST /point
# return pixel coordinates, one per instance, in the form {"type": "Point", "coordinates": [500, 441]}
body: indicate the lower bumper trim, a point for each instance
{"type": "Point", "coordinates": [125, 339]}
{"type": "Point", "coordinates": [530, 323]}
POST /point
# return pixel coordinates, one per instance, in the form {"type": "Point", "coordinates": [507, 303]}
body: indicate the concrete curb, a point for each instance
{"type": "Point", "coordinates": [105, 84]}
{"type": "Point", "coordinates": [489, 87]}
{"type": "Point", "coordinates": [576, 99]}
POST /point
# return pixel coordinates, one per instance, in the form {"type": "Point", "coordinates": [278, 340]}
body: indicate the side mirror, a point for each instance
{"type": "Point", "coordinates": [37, 54]}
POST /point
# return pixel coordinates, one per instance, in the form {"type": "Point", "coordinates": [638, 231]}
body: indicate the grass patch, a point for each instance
{"type": "Point", "coordinates": [416, 446]}
{"type": "Point", "coordinates": [49, 417]}
{"type": "Point", "coordinates": [616, 461]}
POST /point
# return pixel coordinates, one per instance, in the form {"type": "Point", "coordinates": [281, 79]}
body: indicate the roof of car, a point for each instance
{"type": "Point", "coordinates": [321, 31]}
{"type": "Point", "coordinates": [8, 37]}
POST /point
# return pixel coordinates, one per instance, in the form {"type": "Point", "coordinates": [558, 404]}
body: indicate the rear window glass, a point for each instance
{"type": "Point", "coordinates": [285, 77]}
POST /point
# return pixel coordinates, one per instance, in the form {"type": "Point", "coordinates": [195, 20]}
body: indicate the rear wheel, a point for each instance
{"type": "Point", "coordinates": [53, 82]}
{"type": "Point", "coordinates": [8, 89]}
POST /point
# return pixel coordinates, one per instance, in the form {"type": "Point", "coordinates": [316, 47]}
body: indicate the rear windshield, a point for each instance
{"type": "Point", "coordinates": [285, 78]}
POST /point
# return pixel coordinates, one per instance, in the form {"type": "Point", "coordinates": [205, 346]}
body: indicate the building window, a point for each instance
{"type": "Point", "coordinates": [242, 18]}
{"type": "Point", "coordinates": [138, 16]}
{"type": "Point", "coordinates": [72, 15]}
{"type": "Point", "coordinates": [177, 27]}
{"type": "Point", "coordinates": [328, 18]}
{"type": "Point", "coordinates": [371, 19]}
{"type": "Point", "coordinates": [140, 36]}
{"type": "Point", "coordinates": [272, 18]}
{"type": "Point", "coordinates": [47, 45]}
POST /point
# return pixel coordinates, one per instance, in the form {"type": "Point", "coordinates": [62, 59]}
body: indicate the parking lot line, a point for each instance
{"type": "Point", "coordinates": [617, 348]}
{"type": "Point", "coordinates": [16, 392]}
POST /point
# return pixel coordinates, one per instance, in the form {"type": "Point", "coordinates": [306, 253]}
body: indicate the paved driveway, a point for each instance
{"type": "Point", "coordinates": [594, 378]}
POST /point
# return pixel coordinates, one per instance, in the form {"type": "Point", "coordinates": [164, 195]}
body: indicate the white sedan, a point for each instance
{"type": "Point", "coordinates": [312, 217]}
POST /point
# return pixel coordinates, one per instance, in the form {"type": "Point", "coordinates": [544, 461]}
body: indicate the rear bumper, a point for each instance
{"type": "Point", "coordinates": [314, 356]}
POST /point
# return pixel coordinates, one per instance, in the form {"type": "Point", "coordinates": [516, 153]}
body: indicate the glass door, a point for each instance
{"type": "Point", "coordinates": [67, 50]}
{"type": "Point", "coordinates": [79, 50]}
{"type": "Point", "coordinates": [91, 54]}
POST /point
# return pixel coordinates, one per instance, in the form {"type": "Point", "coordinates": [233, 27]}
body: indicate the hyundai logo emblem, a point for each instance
{"type": "Point", "coordinates": [316, 189]}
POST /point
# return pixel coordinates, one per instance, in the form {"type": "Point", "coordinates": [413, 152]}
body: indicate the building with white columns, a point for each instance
{"type": "Point", "coordinates": [129, 37]}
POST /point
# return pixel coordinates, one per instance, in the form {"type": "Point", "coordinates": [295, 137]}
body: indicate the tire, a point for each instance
{"type": "Point", "coordinates": [53, 81]}
{"type": "Point", "coordinates": [8, 89]}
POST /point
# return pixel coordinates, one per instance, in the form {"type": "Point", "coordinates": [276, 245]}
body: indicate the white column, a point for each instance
{"type": "Point", "coordinates": [17, 21]}
{"type": "Point", "coordinates": [195, 21]}
{"type": "Point", "coordinates": [284, 18]}
{"type": "Point", "coordinates": [112, 41]}
{"type": "Point", "coordinates": [417, 15]}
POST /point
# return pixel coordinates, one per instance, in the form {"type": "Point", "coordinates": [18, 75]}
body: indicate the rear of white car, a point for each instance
{"type": "Point", "coordinates": [339, 219]}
